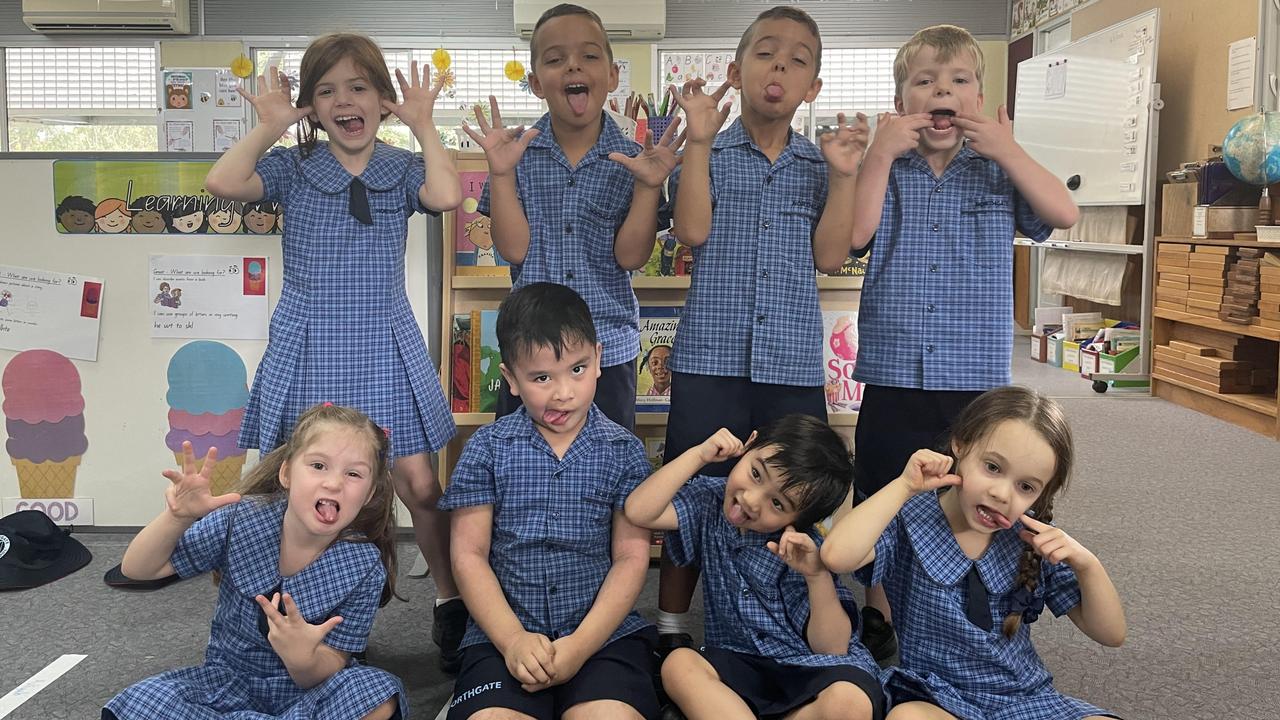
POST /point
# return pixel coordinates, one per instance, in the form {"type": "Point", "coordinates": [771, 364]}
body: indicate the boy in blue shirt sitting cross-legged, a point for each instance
{"type": "Point", "coordinates": [781, 631]}
{"type": "Point", "coordinates": [547, 563]}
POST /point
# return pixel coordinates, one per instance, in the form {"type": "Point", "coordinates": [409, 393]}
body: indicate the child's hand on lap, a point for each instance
{"type": "Point", "coordinates": [419, 98]}
{"type": "Point", "coordinates": [188, 495]}
{"type": "Point", "coordinates": [1055, 545]}
{"type": "Point", "coordinates": [897, 134]}
{"type": "Point", "coordinates": [799, 552]}
{"type": "Point", "coordinates": [291, 636]}
{"type": "Point", "coordinates": [530, 658]}
{"type": "Point", "coordinates": [652, 166]}
{"type": "Point", "coordinates": [989, 138]}
{"type": "Point", "coordinates": [502, 146]}
{"type": "Point", "coordinates": [568, 660]}
{"type": "Point", "coordinates": [721, 446]}
{"type": "Point", "coordinates": [843, 147]}
{"type": "Point", "coordinates": [274, 105]}
{"type": "Point", "coordinates": [703, 116]}
{"type": "Point", "coordinates": [928, 470]}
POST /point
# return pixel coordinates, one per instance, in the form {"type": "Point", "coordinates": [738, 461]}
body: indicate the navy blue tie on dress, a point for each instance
{"type": "Point", "coordinates": [358, 202]}
{"type": "Point", "coordinates": [978, 610]}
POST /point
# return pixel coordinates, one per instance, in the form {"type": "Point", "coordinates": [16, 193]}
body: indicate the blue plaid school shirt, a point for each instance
{"type": "Point", "coordinates": [241, 672]}
{"type": "Point", "coordinates": [552, 518]}
{"type": "Point", "coordinates": [753, 602]}
{"type": "Point", "coordinates": [968, 671]}
{"type": "Point", "coordinates": [752, 308]}
{"type": "Point", "coordinates": [937, 302]}
{"type": "Point", "coordinates": [574, 215]}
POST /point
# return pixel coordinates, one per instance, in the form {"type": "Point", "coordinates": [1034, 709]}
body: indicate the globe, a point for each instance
{"type": "Point", "coordinates": [1251, 149]}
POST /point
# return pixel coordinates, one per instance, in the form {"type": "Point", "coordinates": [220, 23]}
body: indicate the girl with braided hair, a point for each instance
{"type": "Point", "coordinates": [968, 557]}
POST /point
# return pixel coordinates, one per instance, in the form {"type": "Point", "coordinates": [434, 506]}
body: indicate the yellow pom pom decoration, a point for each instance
{"type": "Point", "coordinates": [242, 66]}
{"type": "Point", "coordinates": [441, 60]}
{"type": "Point", "coordinates": [514, 70]}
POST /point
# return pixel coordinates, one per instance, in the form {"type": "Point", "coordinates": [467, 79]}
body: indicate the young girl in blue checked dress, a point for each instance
{"type": "Point", "coordinates": [302, 562]}
{"type": "Point", "coordinates": [346, 205]}
{"type": "Point", "coordinates": [968, 557]}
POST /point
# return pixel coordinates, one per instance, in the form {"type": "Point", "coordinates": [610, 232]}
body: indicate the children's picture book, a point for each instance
{"type": "Point", "coordinates": [474, 252]}
{"type": "Point", "coordinates": [653, 376]}
{"type": "Point", "coordinates": [486, 370]}
{"type": "Point", "coordinates": [668, 259]}
{"type": "Point", "coordinates": [839, 359]}
{"type": "Point", "coordinates": [460, 364]}
{"type": "Point", "coordinates": [654, 448]}
{"type": "Point", "coordinates": [474, 373]}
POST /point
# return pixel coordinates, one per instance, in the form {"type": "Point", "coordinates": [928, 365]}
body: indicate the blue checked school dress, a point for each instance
{"type": "Point", "coordinates": [754, 603]}
{"type": "Point", "coordinates": [343, 331]}
{"type": "Point", "coordinates": [946, 659]}
{"type": "Point", "coordinates": [242, 677]}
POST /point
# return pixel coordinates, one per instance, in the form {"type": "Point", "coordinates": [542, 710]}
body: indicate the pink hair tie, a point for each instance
{"type": "Point", "coordinates": [328, 404]}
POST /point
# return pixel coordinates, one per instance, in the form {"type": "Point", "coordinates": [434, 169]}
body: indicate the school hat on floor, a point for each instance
{"type": "Point", "coordinates": [34, 551]}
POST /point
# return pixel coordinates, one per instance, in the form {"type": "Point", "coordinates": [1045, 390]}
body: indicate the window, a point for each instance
{"type": "Point", "coordinates": [63, 99]}
{"type": "Point", "coordinates": [478, 74]}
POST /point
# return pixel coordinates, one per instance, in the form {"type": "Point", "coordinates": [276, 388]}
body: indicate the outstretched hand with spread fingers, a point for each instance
{"type": "Point", "coordinates": [843, 147]}
{"type": "Point", "coordinates": [703, 113]}
{"type": "Point", "coordinates": [503, 147]}
{"type": "Point", "coordinates": [274, 103]}
{"type": "Point", "coordinates": [188, 495]}
{"type": "Point", "coordinates": [418, 97]}
{"type": "Point", "coordinates": [652, 166]}
{"type": "Point", "coordinates": [290, 635]}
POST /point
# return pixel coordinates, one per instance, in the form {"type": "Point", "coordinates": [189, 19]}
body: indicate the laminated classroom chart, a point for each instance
{"type": "Point", "coordinates": [208, 296]}
{"type": "Point", "coordinates": [50, 310]}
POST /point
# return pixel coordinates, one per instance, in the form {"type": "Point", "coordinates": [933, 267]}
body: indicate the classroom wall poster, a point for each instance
{"type": "Point", "coordinates": [150, 197]}
{"type": "Point", "coordinates": [51, 310]}
{"type": "Point", "coordinates": [208, 296]}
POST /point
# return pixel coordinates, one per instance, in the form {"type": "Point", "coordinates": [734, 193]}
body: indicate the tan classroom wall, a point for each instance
{"type": "Point", "coordinates": [1191, 67]}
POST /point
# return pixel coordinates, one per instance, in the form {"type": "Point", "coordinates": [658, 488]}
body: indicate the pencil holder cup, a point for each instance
{"type": "Point", "coordinates": [658, 125]}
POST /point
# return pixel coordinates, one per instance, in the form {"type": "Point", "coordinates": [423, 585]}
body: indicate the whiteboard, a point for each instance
{"type": "Point", "coordinates": [1084, 111]}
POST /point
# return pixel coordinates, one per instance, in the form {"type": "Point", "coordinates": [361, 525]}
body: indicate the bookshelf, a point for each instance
{"type": "Point", "coordinates": [461, 293]}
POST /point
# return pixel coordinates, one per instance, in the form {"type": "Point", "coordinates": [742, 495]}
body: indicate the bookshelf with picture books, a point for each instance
{"type": "Point", "coordinates": [476, 279]}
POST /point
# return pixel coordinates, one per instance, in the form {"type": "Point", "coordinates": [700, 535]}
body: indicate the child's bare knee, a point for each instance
{"type": "Point", "coordinates": [843, 700]}
{"type": "Point", "coordinates": [602, 710]}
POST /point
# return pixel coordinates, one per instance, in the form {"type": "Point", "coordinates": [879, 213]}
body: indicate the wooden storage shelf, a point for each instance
{"type": "Point", "coordinates": [471, 282]}
{"type": "Point", "coordinates": [1257, 412]}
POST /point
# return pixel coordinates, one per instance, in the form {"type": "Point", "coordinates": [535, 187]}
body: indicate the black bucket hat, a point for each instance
{"type": "Point", "coordinates": [35, 551]}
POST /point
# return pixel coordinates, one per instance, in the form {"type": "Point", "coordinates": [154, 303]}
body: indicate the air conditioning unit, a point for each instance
{"type": "Point", "coordinates": [172, 17]}
{"type": "Point", "coordinates": [623, 19]}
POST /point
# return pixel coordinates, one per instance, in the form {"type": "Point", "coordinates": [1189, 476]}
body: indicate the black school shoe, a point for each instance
{"type": "Point", "coordinates": [448, 625]}
{"type": "Point", "coordinates": [878, 637]}
{"type": "Point", "coordinates": [116, 578]}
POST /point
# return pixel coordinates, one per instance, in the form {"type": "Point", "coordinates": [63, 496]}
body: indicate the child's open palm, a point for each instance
{"type": "Point", "coordinates": [274, 104]}
{"type": "Point", "coordinates": [928, 470]}
{"type": "Point", "coordinates": [291, 636]}
{"type": "Point", "coordinates": [843, 147]}
{"type": "Point", "coordinates": [188, 494]}
{"type": "Point", "coordinates": [799, 552]}
{"type": "Point", "coordinates": [703, 113]}
{"type": "Point", "coordinates": [652, 166]}
{"type": "Point", "coordinates": [897, 134]}
{"type": "Point", "coordinates": [1055, 545]}
{"type": "Point", "coordinates": [418, 97]}
{"type": "Point", "coordinates": [503, 147]}
{"type": "Point", "coordinates": [989, 138]}
{"type": "Point", "coordinates": [721, 446]}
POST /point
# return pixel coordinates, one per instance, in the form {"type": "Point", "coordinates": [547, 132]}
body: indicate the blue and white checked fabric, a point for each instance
{"type": "Point", "coordinates": [937, 301]}
{"type": "Point", "coordinates": [753, 603]}
{"type": "Point", "coordinates": [241, 672]}
{"type": "Point", "coordinates": [552, 518]}
{"type": "Point", "coordinates": [574, 214]}
{"type": "Point", "coordinates": [343, 330]}
{"type": "Point", "coordinates": [752, 309]}
{"type": "Point", "coordinates": [945, 658]}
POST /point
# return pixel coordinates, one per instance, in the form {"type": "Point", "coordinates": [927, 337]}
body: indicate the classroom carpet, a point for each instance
{"type": "Point", "coordinates": [1179, 506]}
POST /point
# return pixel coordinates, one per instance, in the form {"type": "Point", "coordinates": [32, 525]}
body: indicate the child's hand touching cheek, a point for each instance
{"type": "Point", "coordinates": [897, 134]}
{"type": "Point", "coordinates": [989, 138]}
{"type": "Point", "coordinates": [721, 446]}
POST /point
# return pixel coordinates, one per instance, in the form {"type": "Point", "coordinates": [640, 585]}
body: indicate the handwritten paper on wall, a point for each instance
{"type": "Point", "coordinates": [1240, 73]}
{"type": "Point", "coordinates": [208, 296]}
{"type": "Point", "coordinates": [50, 310]}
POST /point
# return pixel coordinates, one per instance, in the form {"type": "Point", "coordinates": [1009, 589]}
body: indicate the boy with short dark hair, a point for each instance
{"type": "Point", "coordinates": [547, 563]}
{"type": "Point", "coordinates": [574, 201]}
{"type": "Point", "coordinates": [752, 203]}
{"type": "Point", "coordinates": [781, 631]}
{"type": "Point", "coordinates": [942, 189]}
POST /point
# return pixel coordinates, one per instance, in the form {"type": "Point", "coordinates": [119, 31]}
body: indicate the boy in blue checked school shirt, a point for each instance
{"type": "Point", "coordinates": [573, 200]}
{"type": "Point", "coordinates": [781, 631]}
{"type": "Point", "coordinates": [752, 204]}
{"type": "Point", "coordinates": [548, 564]}
{"type": "Point", "coordinates": [942, 190]}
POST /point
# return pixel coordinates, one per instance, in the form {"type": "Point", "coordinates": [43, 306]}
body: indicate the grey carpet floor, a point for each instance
{"type": "Point", "coordinates": [1180, 507]}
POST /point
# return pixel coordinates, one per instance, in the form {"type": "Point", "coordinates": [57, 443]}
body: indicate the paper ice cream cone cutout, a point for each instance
{"type": "Point", "coordinates": [207, 394]}
{"type": "Point", "coordinates": [44, 419]}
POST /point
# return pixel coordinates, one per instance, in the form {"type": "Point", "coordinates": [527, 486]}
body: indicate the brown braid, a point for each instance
{"type": "Point", "coordinates": [1028, 566]}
